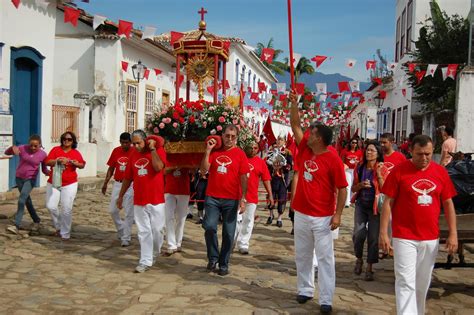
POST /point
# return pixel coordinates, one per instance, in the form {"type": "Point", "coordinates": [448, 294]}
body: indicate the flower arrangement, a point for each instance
{"type": "Point", "coordinates": [193, 120]}
{"type": "Point", "coordinates": [246, 138]}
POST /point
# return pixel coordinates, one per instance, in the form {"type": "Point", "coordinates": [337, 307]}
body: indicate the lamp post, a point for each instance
{"type": "Point", "coordinates": [470, 60]}
{"type": "Point", "coordinates": [380, 98]}
{"type": "Point", "coordinates": [138, 71]}
{"type": "Point", "coordinates": [361, 116]}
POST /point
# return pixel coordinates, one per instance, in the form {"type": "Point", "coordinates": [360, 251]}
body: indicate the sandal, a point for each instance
{"type": "Point", "coordinates": [369, 276]}
{"type": "Point", "coordinates": [358, 266]}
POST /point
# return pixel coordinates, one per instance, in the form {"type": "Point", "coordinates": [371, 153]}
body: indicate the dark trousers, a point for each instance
{"type": "Point", "coordinates": [25, 186]}
{"type": "Point", "coordinates": [201, 193]}
{"type": "Point", "coordinates": [215, 207]}
{"type": "Point", "coordinates": [280, 193]}
{"type": "Point", "coordinates": [366, 226]}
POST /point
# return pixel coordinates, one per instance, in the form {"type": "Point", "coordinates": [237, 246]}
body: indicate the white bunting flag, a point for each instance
{"type": "Point", "coordinates": [350, 63]}
{"type": "Point", "coordinates": [323, 97]}
{"type": "Point", "coordinates": [296, 58]}
{"type": "Point", "coordinates": [321, 88]}
{"type": "Point", "coordinates": [430, 71]}
{"type": "Point", "coordinates": [281, 87]}
{"type": "Point", "coordinates": [355, 85]}
{"type": "Point", "coordinates": [149, 32]}
{"type": "Point", "coordinates": [42, 3]}
{"type": "Point", "coordinates": [392, 66]}
{"type": "Point", "coordinates": [347, 97]}
{"type": "Point", "coordinates": [444, 71]}
{"type": "Point", "coordinates": [98, 20]}
{"type": "Point", "coordinates": [172, 76]}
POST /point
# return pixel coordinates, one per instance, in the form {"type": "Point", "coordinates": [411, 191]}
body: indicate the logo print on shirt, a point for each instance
{"type": "Point", "coordinates": [310, 166]}
{"type": "Point", "coordinates": [223, 161]}
{"type": "Point", "coordinates": [389, 165]}
{"type": "Point", "coordinates": [424, 187]}
{"type": "Point", "coordinates": [122, 161]}
{"type": "Point", "coordinates": [141, 164]}
{"type": "Point", "coordinates": [353, 159]}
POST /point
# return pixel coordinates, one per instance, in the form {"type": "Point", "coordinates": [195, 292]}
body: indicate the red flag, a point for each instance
{"type": "Point", "coordinates": [147, 73]}
{"type": "Point", "coordinates": [377, 80]}
{"type": "Point", "coordinates": [370, 64]}
{"type": "Point", "coordinates": [16, 3]}
{"type": "Point", "coordinates": [226, 83]}
{"type": "Point", "coordinates": [319, 60]}
{"type": "Point", "coordinates": [157, 71]}
{"type": "Point", "coordinates": [249, 89]}
{"type": "Point", "coordinates": [282, 97]}
{"type": "Point", "coordinates": [382, 94]}
{"type": "Point", "coordinates": [344, 86]}
{"type": "Point", "coordinates": [274, 92]}
{"type": "Point", "coordinates": [210, 89]}
{"type": "Point", "coordinates": [299, 87]}
{"type": "Point", "coordinates": [452, 69]}
{"type": "Point", "coordinates": [308, 97]}
{"type": "Point", "coordinates": [124, 66]}
{"type": "Point", "coordinates": [267, 55]}
{"type": "Point", "coordinates": [254, 96]}
{"type": "Point", "coordinates": [268, 132]}
{"type": "Point", "coordinates": [419, 76]}
{"type": "Point", "coordinates": [124, 28]}
{"type": "Point", "coordinates": [261, 87]}
{"type": "Point", "coordinates": [175, 36]}
{"type": "Point", "coordinates": [411, 67]}
{"type": "Point", "coordinates": [404, 92]}
{"type": "Point", "coordinates": [71, 15]}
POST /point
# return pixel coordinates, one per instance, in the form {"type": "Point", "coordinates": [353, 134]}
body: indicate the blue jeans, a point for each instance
{"type": "Point", "coordinates": [25, 186]}
{"type": "Point", "coordinates": [214, 207]}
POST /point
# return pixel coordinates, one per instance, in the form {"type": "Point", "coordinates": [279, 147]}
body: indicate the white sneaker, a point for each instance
{"type": "Point", "coordinates": [12, 229]}
{"type": "Point", "coordinates": [125, 243]}
{"type": "Point", "coordinates": [141, 268]}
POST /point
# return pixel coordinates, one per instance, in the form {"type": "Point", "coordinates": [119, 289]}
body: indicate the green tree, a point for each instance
{"type": "Point", "coordinates": [276, 66]}
{"type": "Point", "coordinates": [443, 40]}
{"type": "Point", "coordinates": [303, 66]}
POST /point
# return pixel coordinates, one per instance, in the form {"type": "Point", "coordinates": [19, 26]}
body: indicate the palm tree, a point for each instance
{"type": "Point", "coordinates": [276, 66]}
{"type": "Point", "coordinates": [303, 66]}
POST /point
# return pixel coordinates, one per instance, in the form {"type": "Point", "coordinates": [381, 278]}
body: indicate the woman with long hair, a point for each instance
{"type": "Point", "coordinates": [351, 156]}
{"type": "Point", "coordinates": [64, 158]}
{"type": "Point", "coordinates": [31, 156]}
{"type": "Point", "coordinates": [369, 178]}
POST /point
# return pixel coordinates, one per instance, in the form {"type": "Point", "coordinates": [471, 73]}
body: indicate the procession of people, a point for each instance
{"type": "Point", "coordinates": [397, 201]}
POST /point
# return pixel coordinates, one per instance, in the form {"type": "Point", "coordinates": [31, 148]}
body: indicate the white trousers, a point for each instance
{"type": "Point", "coordinates": [124, 227]}
{"type": "Point", "coordinates": [62, 218]}
{"type": "Point", "coordinates": [413, 264]}
{"type": "Point", "coordinates": [335, 236]}
{"type": "Point", "coordinates": [150, 220]}
{"type": "Point", "coordinates": [350, 180]}
{"type": "Point", "coordinates": [176, 209]}
{"type": "Point", "coordinates": [245, 226]}
{"type": "Point", "coordinates": [313, 235]}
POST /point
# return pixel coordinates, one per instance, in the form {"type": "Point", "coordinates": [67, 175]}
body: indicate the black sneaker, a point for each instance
{"type": "Point", "coordinates": [269, 220]}
{"type": "Point", "coordinates": [325, 309]}
{"type": "Point", "coordinates": [223, 272]}
{"type": "Point", "coordinates": [279, 224]}
{"type": "Point", "coordinates": [211, 266]}
{"type": "Point", "coordinates": [292, 231]}
{"type": "Point", "coordinates": [303, 298]}
{"type": "Point", "coordinates": [189, 216]}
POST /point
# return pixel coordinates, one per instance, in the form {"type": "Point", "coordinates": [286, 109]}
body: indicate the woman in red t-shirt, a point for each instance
{"type": "Point", "coordinates": [66, 159]}
{"type": "Point", "coordinates": [351, 157]}
{"type": "Point", "coordinates": [369, 178]}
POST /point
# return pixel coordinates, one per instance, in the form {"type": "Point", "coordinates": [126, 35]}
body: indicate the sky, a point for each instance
{"type": "Point", "coordinates": [342, 29]}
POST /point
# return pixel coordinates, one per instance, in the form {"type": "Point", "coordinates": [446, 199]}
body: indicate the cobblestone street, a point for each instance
{"type": "Point", "coordinates": [40, 274]}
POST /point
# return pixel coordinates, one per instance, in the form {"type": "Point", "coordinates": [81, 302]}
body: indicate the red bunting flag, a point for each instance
{"type": "Point", "coordinates": [411, 67]}
{"type": "Point", "coordinates": [319, 60]}
{"type": "Point", "coordinates": [308, 97]}
{"type": "Point", "coordinates": [419, 76]}
{"type": "Point", "coordinates": [268, 132]}
{"type": "Point", "coordinates": [350, 63]}
{"type": "Point", "coordinates": [249, 89]}
{"type": "Point", "coordinates": [261, 87]}
{"type": "Point", "coordinates": [147, 73]}
{"type": "Point", "coordinates": [282, 97]}
{"type": "Point", "coordinates": [71, 15]}
{"type": "Point", "coordinates": [16, 3]}
{"type": "Point", "coordinates": [274, 92]}
{"type": "Point", "coordinates": [452, 69]}
{"type": "Point", "coordinates": [267, 55]}
{"type": "Point", "coordinates": [210, 89]}
{"type": "Point", "coordinates": [124, 28]}
{"type": "Point", "coordinates": [157, 71]}
{"type": "Point", "coordinates": [124, 66]}
{"type": "Point", "coordinates": [299, 88]}
{"type": "Point", "coordinates": [344, 86]}
{"type": "Point", "coordinates": [370, 64]}
{"type": "Point", "coordinates": [377, 80]}
{"type": "Point", "coordinates": [404, 92]}
{"type": "Point", "coordinates": [382, 94]}
{"type": "Point", "coordinates": [254, 96]}
{"type": "Point", "coordinates": [227, 45]}
{"type": "Point", "coordinates": [227, 85]}
{"type": "Point", "coordinates": [175, 36]}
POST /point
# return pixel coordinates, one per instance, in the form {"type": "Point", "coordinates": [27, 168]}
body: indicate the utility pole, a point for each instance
{"type": "Point", "coordinates": [470, 61]}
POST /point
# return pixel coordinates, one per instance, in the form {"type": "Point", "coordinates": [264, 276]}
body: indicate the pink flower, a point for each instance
{"type": "Point", "coordinates": [156, 130]}
{"type": "Point", "coordinates": [150, 126]}
{"type": "Point", "coordinates": [225, 114]}
{"type": "Point", "coordinates": [175, 125]}
{"type": "Point", "coordinates": [235, 121]}
{"type": "Point", "coordinates": [221, 119]}
{"type": "Point", "coordinates": [204, 124]}
{"type": "Point", "coordinates": [163, 119]}
{"type": "Point", "coordinates": [213, 131]}
{"type": "Point", "coordinates": [161, 125]}
{"type": "Point", "coordinates": [219, 128]}
{"type": "Point", "coordinates": [168, 120]}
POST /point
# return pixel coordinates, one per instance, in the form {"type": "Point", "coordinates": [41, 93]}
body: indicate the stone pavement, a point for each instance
{"type": "Point", "coordinates": [92, 274]}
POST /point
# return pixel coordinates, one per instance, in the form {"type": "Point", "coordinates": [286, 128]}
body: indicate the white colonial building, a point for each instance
{"type": "Point", "coordinates": [400, 114]}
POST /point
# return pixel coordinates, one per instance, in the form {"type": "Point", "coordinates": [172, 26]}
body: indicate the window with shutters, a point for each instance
{"type": "Point", "coordinates": [132, 108]}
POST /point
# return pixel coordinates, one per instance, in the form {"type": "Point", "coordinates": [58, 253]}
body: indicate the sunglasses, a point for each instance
{"type": "Point", "coordinates": [68, 139]}
{"type": "Point", "coordinates": [353, 142]}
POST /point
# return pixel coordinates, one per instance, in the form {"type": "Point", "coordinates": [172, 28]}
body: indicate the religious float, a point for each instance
{"type": "Point", "coordinates": [187, 123]}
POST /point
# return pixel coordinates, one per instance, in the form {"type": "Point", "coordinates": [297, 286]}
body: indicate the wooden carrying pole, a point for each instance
{"type": "Point", "coordinates": [290, 35]}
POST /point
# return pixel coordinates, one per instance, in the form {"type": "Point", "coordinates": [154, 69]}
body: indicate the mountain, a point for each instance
{"type": "Point", "coordinates": [310, 80]}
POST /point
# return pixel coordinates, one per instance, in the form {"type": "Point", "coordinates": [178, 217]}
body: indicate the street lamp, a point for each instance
{"type": "Point", "coordinates": [380, 98]}
{"type": "Point", "coordinates": [138, 71]}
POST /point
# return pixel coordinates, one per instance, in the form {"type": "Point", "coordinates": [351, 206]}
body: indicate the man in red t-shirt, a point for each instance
{"type": "Point", "coordinates": [177, 192]}
{"type": "Point", "coordinates": [321, 178]}
{"type": "Point", "coordinates": [391, 158]}
{"type": "Point", "coordinates": [145, 168]}
{"type": "Point", "coordinates": [245, 221]}
{"type": "Point", "coordinates": [228, 168]}
{"type": "Point", "coordinates": [117, 163]}
{"type": "Point", "coordinates": [415, 191]}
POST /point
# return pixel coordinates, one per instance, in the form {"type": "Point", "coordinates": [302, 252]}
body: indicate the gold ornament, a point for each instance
{"type": "Point", "coordinates": [200, 70]}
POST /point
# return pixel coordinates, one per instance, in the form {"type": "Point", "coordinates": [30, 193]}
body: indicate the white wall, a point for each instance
{"type": "Point", "coordinates": [465, 111]}
{"type": "Point", "coordinates": [25, 22]}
